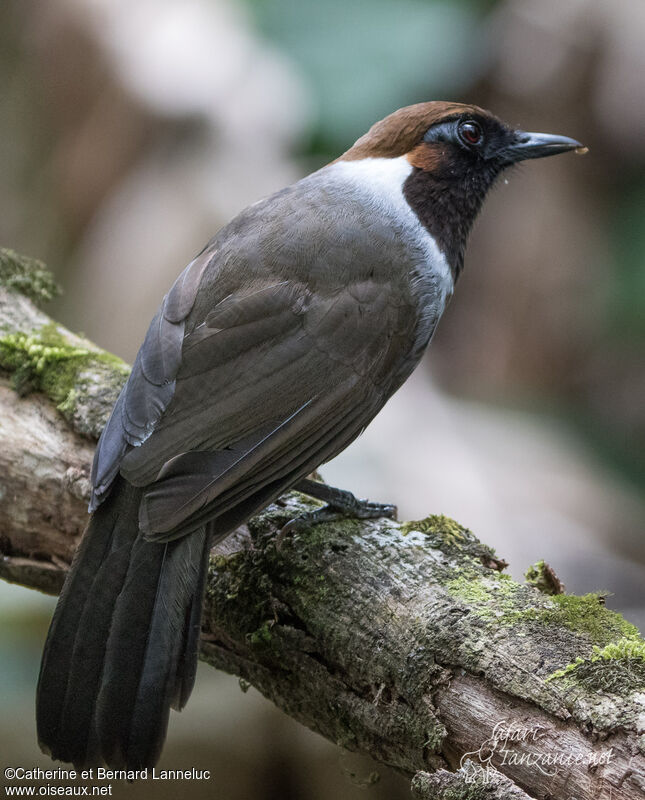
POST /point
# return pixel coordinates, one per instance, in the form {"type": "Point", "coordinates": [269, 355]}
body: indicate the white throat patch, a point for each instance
{"type": "Point", "coordinates": [379, 184]}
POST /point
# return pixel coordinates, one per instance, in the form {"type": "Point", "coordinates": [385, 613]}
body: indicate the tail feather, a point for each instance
{"type": "Point", "coordinates": [123, 642]}
{"type": "Point", "coordinates": [59, 647]}
{"type": "Point", "coordinates": [144, 649]}
{"type": "Point", "coordinates": [164, 663]}
{"type": "Point", "coordinates": [187, 667]}
{"type": "Point", "coordinates": [85, 668]}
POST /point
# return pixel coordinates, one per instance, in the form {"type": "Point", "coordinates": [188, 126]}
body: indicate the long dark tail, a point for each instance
{"type": "Point", "coordinates": [122, 647]}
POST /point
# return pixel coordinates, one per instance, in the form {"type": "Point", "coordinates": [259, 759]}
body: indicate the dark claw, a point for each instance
{"type": "Point", "coordinates": [305, 521]}
{"type": "Point", "coordinates": [367, 510]}
{"type": "Point", "coordinates": [340, 505]}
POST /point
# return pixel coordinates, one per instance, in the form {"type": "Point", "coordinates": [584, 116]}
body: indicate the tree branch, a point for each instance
{"type": "Point", "coordinates": [470, 781]}
{"type": "Point", "coordinates": [402, 641]}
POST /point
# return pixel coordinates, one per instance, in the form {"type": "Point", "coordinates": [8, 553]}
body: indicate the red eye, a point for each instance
{"type": "Point", "coordinates": [470, 132]}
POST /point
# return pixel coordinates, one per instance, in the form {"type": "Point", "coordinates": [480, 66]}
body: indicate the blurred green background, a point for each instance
{"type": "Point", "coordinates": [131, 131]}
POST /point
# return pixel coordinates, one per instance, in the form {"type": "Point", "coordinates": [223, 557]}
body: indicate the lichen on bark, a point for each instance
{"type": "Point", "coordinates": [470, 782]}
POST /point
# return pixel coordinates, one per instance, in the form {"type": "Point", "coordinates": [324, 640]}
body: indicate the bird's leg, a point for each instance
{"type": "Point", "coordinates": [340, 504]}
{"type": "Point", "coordinates": [343, 502]}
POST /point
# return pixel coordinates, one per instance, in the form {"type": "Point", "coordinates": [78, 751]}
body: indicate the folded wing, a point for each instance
{"type": "Point", "coordinates": [223, 413]}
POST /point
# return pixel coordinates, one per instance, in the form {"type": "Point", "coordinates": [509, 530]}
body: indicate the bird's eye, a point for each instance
{"type": "Point", "coordinates": [470, 132]}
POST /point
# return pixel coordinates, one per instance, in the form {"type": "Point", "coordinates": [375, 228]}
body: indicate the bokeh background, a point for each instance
{"type": "Point", "coordinates": [131, 130]}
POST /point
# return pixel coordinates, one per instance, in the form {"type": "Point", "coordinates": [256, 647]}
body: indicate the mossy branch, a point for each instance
{"type": "Point", "coordinates": [403, 641]}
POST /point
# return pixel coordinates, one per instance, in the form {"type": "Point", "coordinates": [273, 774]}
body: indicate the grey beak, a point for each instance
{"type": "Point", "coordinates": [538, 145]}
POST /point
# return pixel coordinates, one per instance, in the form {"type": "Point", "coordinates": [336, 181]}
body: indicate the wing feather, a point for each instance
{"type": "Point", "coordinates": [276, 472]}
{"type": "Point", "coordinates": [237, 393]}
{"type": "Point", "coordinates": [193, 479]}
{"type": "Point", "coordinates": [151, 384]}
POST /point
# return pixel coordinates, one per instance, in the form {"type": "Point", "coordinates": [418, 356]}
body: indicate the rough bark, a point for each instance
{"type": "Point", "coordinates": [404, 641]}
{"type": "Point", "coordinates": [471, 781]}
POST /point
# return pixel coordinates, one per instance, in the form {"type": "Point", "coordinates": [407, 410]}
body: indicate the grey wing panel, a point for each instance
{"type": "Point", "coordinates": [151, 384]}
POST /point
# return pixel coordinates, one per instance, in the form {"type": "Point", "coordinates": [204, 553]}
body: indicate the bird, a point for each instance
{"type": "Point", "coordinates": [273, 350]}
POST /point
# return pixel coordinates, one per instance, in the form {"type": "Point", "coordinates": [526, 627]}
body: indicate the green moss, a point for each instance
{"type": "Point", "coordinates": [27, 276]}
{"type": "Point", "coordinates": [41, 362]}
{"type": "Point", "coordinates": [585, 615]}
{"type": "Point", "coordinates": [618, 677]}
{"type": "Point", "coordinates": [626, 649]}
{"type": "Point", "coordinates": [437, 525]}
{"type": "Point", "coordinates": [633, 648]}
{"type": "Point", "coordinates": [618, 667]}
{"type": "Point", "coordinates": [491, 595]}
{"type": "Point", "coordinates": [562, 673]}
{"type": "Point", "coordinates": [444, 534]}
{"type": "Point", "coordinates": [45, 362]}
{"type": "Point", "coordinates": [603, 633]}
{"type": "Point", "coordinates": [617, 660]}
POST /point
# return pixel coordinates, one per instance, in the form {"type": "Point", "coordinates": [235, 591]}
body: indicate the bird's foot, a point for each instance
{"type": "Point", "coordinates": [340, 505]}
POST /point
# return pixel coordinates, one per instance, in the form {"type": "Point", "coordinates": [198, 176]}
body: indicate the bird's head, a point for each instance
{"type": "Point", "coordinates": [455, 152]}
